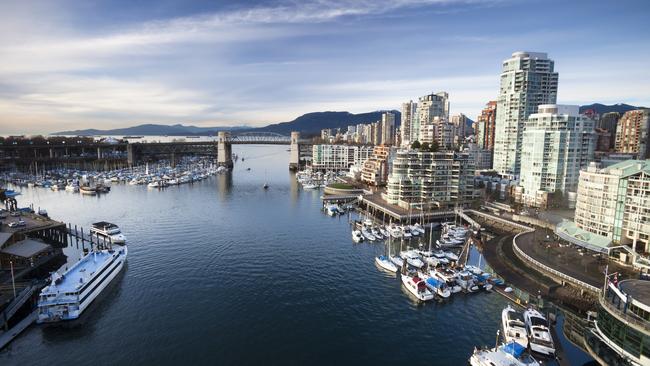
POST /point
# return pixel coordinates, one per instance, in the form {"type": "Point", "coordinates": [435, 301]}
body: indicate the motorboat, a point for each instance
{"type": "Point", "coordinates": [438, 287]}
{"type": "Point", "coordinates": [377, 234]}
{"type": "Point", "coordinates": [447, 276]}
{"type": "Point", "coordinates": [394, 231]}
{"type": "Point", "coordinates": [72, 187]}
{"type": "Point", "coordinates": [397, 260]}
{"type": "Point", "coordinates": [332, 210]}
{"type": "Point", "coordinates": [539, 333]}
{"type": "Point", "coordinates": [109, 231]}
{"type": "Point", "coordinates": [357, 237]}
{"type": "Point", "coordinates": [310, 186]}
{"type": "Point", "coordinates": [509, 354]}
{"type": "Point", "coordinates": [412, 258]}
{"type": "Point", "coordinates": [87, 190]}
{"type": "Point", "coordinates": [514, 326]}
{"type": "Point", "coordinates": [451, 256]}
{"type": "Point", "coordinates": [417, 227]}
{"type": "Point", "coordinates": [406, 232]}
{"type": "Point", "coordinates": [385, 263]}
{"type": "Point", "coordinates": [154, 184]}
{"type": "Point", "coordinates": [441, 257]}
{"type": "Point", "coordinates": [417, 287]}
{"type": "Point", "coordinates": [367, 234]}
{"type": "Point", "coordinates": [466, 281]}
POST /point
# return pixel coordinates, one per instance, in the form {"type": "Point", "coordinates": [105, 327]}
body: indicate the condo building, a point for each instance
{"type": "Point", "coordinates": [608, 121]}
{"type": "Point", "coordinates": [431, 180]}
{"type": "Point", "coordinates": [338, 157]}
{"type": "Point", "coordinates": [409, 110]}
{"type": "Point", "coordinates": [375, 168]}
{"type": "Point", "coordinates": [614, 202]}
{"type": "Point", "coordinates": [387, 128]}
{"type": "Point", "coordinates": [633, 133]}
{"type": "Point", "coordinates": [558, 141]}
{"type": "Point", "coordinates": [485, 126]}
{"type": "Point", "coordinates": [528, 79]}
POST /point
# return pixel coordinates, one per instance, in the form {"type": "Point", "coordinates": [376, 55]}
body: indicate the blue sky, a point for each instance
{"type": "Point", "coordinates": [108, 64]}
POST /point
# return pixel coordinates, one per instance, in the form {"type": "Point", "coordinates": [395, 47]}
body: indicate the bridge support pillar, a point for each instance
{"type": "Point", "coordinates": [294, 156]}
{"type": "Point", "coordinates": [130, 156]}
{"type": "Point", "coordinates": [224, 150]}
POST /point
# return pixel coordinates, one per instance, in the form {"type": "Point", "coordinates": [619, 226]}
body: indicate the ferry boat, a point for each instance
{"type": "Point", "coordinates": [514, 326]}
{"type": "Point", "coordinates": [509, 354]}
{"type": "Point", "coordinates": [539, 333]}
{"type": "Point", "coordinates": [69, 294]}
{"type": "Point", "coordinates": [109, 231]}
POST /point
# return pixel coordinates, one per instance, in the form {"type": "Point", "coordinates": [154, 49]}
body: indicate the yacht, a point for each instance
{"type": "Point", "coordinates": [417, 287]}
{"type": "Point", "coordinates": [109, 231]}
{"type": "Point", "coordinates": [539, 333]}
{"type": "Point", "coordinates": [385, 263]}
{"type": "Point", "coordinates": [466, 281]}
{"type": "Point", "coordinates": [509, 354]}
{"type": "Point", "coordinates": [394, 231]}
{"type": "Point", "coordinates": [447, 276]}
{"type": "Point", "coordinates": [514, 326]}
{"type": "Point", "coordinates": [69, 294]}
{"type": "Point", "coordinates": [356, 236]}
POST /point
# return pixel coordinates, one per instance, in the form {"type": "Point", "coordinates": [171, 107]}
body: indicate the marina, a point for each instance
{"type": "Point", "coordinates": [308, 275]}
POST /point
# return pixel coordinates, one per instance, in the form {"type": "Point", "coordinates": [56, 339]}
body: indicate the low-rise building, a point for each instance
{"type": "Point", "coordinates": [375, 169]}
{"type": "Point", "coordinates": [432, 180]}
{"type": "Point", "coordinates": [614, 202]}
{"type": "Point", "coordinates": [329, 157]}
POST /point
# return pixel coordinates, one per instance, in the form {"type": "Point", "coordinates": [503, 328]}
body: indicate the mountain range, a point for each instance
{"type": "Point", "coordinates": [308, 124]}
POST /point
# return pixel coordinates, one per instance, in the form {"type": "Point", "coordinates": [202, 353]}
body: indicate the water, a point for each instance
{"type": "Point", "coordinates": [223, 272]}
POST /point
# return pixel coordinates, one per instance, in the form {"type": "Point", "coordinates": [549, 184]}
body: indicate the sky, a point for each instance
{"type": "Point", "coordinates": [107, 64]}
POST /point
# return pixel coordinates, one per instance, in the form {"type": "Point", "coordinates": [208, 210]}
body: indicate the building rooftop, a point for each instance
{"type": "Point", "coordinates": [629, 167]}
{"type": "Point", "coordinates": [638, 289]}
{"type": "Point", "coordinates": [568, 231]}
{"type": "Point", "coordinates": [80, 273]}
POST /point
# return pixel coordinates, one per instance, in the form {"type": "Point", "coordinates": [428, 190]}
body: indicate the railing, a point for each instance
{"type": "Point", "coordinates": [645, 325]}
{"type": "Point", "coordinates": [546, 268]}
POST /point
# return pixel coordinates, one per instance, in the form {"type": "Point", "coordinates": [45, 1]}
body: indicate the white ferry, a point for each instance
{"type": "Point", "coordinates": [109, 231]}
{"type": "Point", "coordinates": [69, 294]}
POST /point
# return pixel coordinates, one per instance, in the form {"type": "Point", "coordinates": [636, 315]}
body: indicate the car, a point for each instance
{"type": "Point", "coordinates": [18, 223]}
{"type": "Point", "coordinates": [15, 213]}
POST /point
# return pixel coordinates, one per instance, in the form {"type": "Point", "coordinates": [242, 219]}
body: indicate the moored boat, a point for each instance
{"type": "Point", "coordinates": [416, 286]}
{"type": "Point", "coordinates": [509, 354]}
{"type": "Point", "coordinates": [539, 333]}
{"type": "Point", "coordinates": [514, 326]}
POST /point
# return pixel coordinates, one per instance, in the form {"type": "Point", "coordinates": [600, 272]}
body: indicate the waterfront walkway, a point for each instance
{"type": "Point", "coordinates": [579, 263]}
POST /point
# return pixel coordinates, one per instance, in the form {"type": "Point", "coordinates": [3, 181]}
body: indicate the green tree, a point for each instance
{"type": "Point", "coordinates": [425, 146]}
{"type": "Point", "coordinates": [434, 146]}
{"type": "Point", "coordinates": [415, 144]}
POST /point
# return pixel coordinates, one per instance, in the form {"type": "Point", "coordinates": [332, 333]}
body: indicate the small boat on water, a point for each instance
{"type": "Point", "coordinates": [514, 326]}
{"type": "Point", "coordinates": [509, 354]}
{"type": "Point", "coordinates": [69, 294]}
{"type": "Point", "coordinates": [357, 237]}
{"type": "Point", "coordinates": [87, 190]}
{"type": "Point", "coordinates": [412, 258]}
{"type": "Point", "coordinates": [367, 234]}
{"type": "Point", "coordinates": [385, 263]}
{"type": "Point", "coordinates": [416, 286]}
{"type": "Point", "coordinates": [539, 333]}
{"type": "Point", "coordinates": [437, 286]}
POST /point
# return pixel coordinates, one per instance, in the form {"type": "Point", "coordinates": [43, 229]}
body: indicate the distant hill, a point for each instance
{"type": "Point", "coordinates": [152, 130]}
{"type": "Point", "coordinates": [603, 108]}
{"type": "Point", "coordinates": [310, 124]}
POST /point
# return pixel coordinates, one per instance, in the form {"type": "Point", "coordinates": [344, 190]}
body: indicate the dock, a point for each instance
{"type": "Point", "coordinates": [8, 336]}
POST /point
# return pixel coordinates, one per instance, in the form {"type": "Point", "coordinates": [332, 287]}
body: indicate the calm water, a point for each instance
{"type": "Point", "coordinates": [223, 272]}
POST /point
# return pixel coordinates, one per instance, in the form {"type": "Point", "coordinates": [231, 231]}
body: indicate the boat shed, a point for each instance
{"type": "Point", "coordinates": [23, 253]}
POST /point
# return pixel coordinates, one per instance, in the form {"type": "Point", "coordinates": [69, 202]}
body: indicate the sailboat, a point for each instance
{"type": "Point", "coordinates": [266, 185]}
{"type": "Point", "coordinates": [385, 262]}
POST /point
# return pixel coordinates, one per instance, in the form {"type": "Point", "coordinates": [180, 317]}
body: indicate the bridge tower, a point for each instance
{"type": "Point", "coordinates": [294, 157]}
{"type": "Point", "coordinates": [224, 150]}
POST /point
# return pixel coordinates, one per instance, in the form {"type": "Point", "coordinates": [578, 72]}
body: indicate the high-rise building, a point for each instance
{"type": "Point", "coordinates": [460, 126]}
{"type": "Point", "coordinates": [557, 143]}
{"type": "Point", "coordinates": [608, 121]}
{"type": "Point", "coordinates": [429, 108]}
{"type": "Point", "coordinates": [409, 110]}
{"type": "Point", "coordinates": [485, 126]}
{"type": "Point", "coordinates": [430, 180]}
{"type": "Point", "coordinates": [387, 128]}
{"type": "Point", "coordinates": [604, 138]}
{"type": "Point", "coordinates": [614, 202]}
{"type": "Point", "coordinates": [633, 133]}
{"type": "Point", "coordinates": [528, 79]}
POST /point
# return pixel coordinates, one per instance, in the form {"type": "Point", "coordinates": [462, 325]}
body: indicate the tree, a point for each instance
{"type": "Point", "coordinates": [415, 144]}
{"type": "Point", "coordinates": [434, 146]}
{"type": "Point", "coordinates": [425, 146]}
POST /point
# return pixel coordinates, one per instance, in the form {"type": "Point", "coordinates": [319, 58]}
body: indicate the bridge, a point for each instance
{"type": "Point", "coordinates": [98, 155]}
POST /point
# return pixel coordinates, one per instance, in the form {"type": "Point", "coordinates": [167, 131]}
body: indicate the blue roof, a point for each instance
{"type": "Point", "coordinates": [514, 349]}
